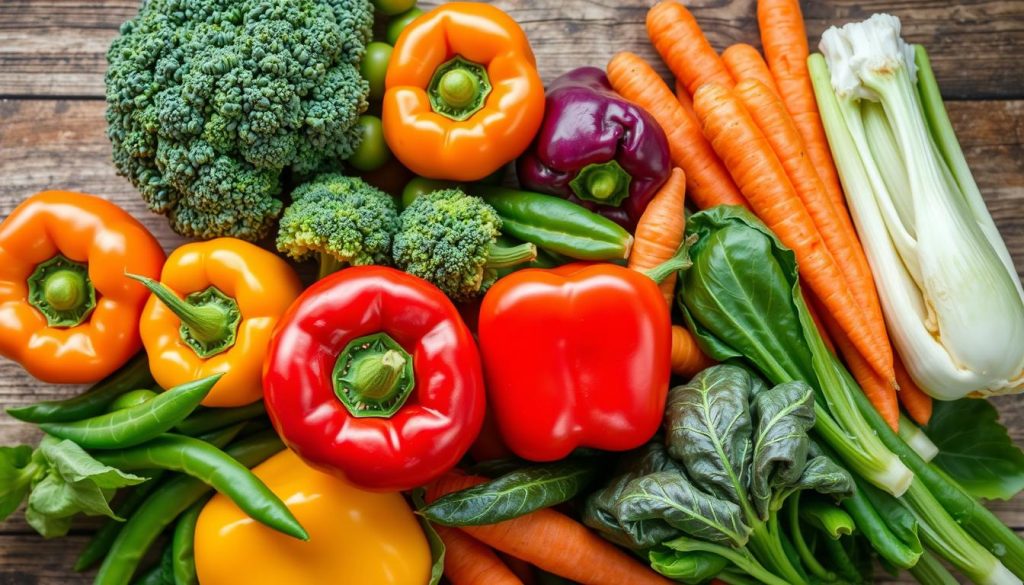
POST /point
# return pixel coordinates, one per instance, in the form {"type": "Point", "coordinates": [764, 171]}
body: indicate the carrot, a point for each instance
{"type": "Point", "coordinates": [707, 181]}
{"type": "Point", "coordinates": [659, 233]}
{"type": "Point", "coordinates": [467, 561]}
{"type": "Point", "coordinates": [917, 404]}
{"type": "Point", "coordinates": [881, 394]}
{"type": "Point", "coordinates": [687, 358]}
{"type": "Point", "coordinates": [744, 62]}
{"type": "Point", "coordinates": [834, 225]}
{"type": "Point", "coordinates": [522, 569]}
{"type": "Point", "coordinates": [684, 99]}
{"type": "Point", "coordinates": [785, 47]}
{"type": "Point", "coordinates": [762, 179]}
{"type": "Point", "coordinates": [554, 542]}
{"type": "Point", "coordinates": [684, 48]}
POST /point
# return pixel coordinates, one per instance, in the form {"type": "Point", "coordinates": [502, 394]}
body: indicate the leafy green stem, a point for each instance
{"type": "Point", "coordinates": [742, 560]}
{"type": "Point", "coordinates": [800, 543]}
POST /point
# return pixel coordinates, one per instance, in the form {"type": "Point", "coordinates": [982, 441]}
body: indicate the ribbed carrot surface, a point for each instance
{"type": "Point", "coordinates": [754, 166]}
{"type": "Point", "coordinates": [683, 47]}
{"type": "Point", "coordinates": [745, 62]}
{"type": "Point", "coordinates": [468, 561]}
{"type": "Point", "coordinates": [917, 404]}
{"type": "Point", "coordinates": [659, 233]}
{"type": "Point", "coordinates": [687, 358]}
{"type": "Point", "coordinates": [707, 181]}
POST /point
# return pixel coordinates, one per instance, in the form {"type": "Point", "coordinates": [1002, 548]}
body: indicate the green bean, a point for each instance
{"type": "Point", "coordinates": [166, 504]}
{"type": "Point", "coordinates": [183, 559]}
{"type": "Point", "coordinates": [101, 542]}
{"type": "Point", "coordinates": [136, 425]}
{"type": "Point", "coordinates": [133, 375]}
{"type": "Point", "coordinates": [132, 398]}
{"type": "Point", "coordinates": [211, 465]}
{"type": "Point", "coordinates": [208, 419]}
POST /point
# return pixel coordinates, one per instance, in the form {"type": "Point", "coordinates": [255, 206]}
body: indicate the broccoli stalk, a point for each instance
{"type": "Point", "coordinates": [450, 239]}
{"type": "Point", "coordinates": [341, 220]}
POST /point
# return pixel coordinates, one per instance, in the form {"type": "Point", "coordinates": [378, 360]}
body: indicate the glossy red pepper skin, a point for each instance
{"type": "Point", "coordinates": [576, 356]}
{"type": "Point", "coordinates": [432, 430]}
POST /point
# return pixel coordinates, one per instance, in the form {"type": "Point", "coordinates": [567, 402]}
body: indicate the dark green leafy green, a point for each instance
{"type": "Point", "coordinates": [437, 550]}
{"type": "Point", "coordinates": [975, 449]}
{"type": "Point", "coordinates": [514, 494]}
{"type": "Point", "coordinates": [691, 567]}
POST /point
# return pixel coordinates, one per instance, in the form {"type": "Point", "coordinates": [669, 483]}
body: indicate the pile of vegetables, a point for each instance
{"type": "Point", "coordinates": [559, 375]}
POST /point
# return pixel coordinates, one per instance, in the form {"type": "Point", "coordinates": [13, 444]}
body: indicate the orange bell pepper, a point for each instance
{"type": "Point", "coordinates": [463, 96]}
{"type": "Point", "coordinates": [213, 312]}
{"type": "Point", "coordinates": [67, 312]}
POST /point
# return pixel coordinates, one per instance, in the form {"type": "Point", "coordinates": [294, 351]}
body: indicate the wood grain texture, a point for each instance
{"type": "Point", "coordinates": [57, 47]}
{"type": "Point", "coordinates": [52, 136]}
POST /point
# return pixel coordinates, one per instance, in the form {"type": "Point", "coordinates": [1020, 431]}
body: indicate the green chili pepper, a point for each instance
{"type": "Point", "coordinates": [135, 374]}
{"type": "Point", "coordinates": [172, 498]}
{"type": "Point", "coordinates": [160, 573]}
{"type": "Point", "coordinates": [183, 560]}
{"type": "Point", "coordinates": [132, 398]}
{"type": "Point", "coordinates": [136, 425]}
{"type": "Point", "coordinates": [549, 222]}
{"type": "Point", "coordinates": [205, 420]}
{"type": "Point", "coordinates": [101, 542]}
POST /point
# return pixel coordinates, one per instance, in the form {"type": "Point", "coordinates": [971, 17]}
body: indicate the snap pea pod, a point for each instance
{"type": "Point", "coordinates": [101, 542]}
{"type": "Point", "coordinates": [212, 466]}
{"type": "Point", "coordinates": [549, 222]}
{"type": "Point", "coordinates": [137, 424]}
{"type": "Point", "coordinates": [202, 421]}
{"type": "Point", "coordinates": [133, 375]}
{"type": "Point", "coordinates": [183, 560]}
{"type": "Point", "coordinates": [165, 505]}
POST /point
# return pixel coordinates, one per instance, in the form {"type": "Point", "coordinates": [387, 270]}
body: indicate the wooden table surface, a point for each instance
{"type": "Point", "coordinates": [52, 137]}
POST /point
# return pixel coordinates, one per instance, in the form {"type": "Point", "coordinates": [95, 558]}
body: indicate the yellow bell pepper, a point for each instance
{"type": "Point", "coordinates": [355, 537]}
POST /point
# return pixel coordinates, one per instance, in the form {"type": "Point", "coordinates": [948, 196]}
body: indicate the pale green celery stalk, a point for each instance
{"type": "Point", "coordinates": [929, 571]}
{"type": "Point", "coordinates": [947, 143]}
{"type": "Point", "coordinates": [833, 521]}
{"type": "Point", "coordinates": [941, 528]}
{"type": "Point", "coordinates": [913, 436]}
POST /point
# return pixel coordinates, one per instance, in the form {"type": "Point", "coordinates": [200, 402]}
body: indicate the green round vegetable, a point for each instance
{"type": "Point", "coordinates": [374, 68]}
{"type": "Point", "coordinates": [392, 7]}
{"type": "Point", "coordinates": [136, 425]}
{"type": "Point", "coordinates": [420, 186]}
{"type": "Point", "coordinates": [134, 374]}
{"type": "Point", "coordinates": [398, 23]}
{"type": "Point", "coordinates": [132, 399]}
{"type": "Point", "coordinates": [372, 151]}
{"type": "Point", "coordinates": [169, 501]}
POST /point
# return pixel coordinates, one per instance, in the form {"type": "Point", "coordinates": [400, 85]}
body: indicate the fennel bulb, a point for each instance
{"type": "Point", "coordinates": [952, 299]}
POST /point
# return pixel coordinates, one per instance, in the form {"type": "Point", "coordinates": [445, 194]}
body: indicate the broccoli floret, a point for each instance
{"type": "Point", "coordinates": [343, 220]}
{"type": "Point", "coordinates": [450, 239]}
{"type": "Point", "coordinates": [210, 101]}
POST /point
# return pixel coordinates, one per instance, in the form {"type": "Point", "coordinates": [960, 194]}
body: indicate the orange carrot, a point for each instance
{"type": "Point", "coordinates": [881, 393]}
{"type": "Point", "coordinates": [554, 542]}
{"type": "Point", "coordinates": [745, 62]}
{"type": "Point", "coordinates": [522, 569]}
{"type": "Point", "coordinates": [684, 48]}
{"type": "Point", "coordinates": [468, 561]}
{"type": "Point", "coordinates": [687, 358]}
{"type": "Point", "coordinates": [684, 99]}
{"type": "Point", "coordinates": [762, 179]}
{"type": "Point", "coordinates": [659, 233]}
{"type": "Point", "coordinates": [707, 181]}
{"type": "Point", "coordinates": [917, 404]}
{"type": "Point", "coordinates": [834, 225]}
{"type": "Point", "coordinates": [785, 47]}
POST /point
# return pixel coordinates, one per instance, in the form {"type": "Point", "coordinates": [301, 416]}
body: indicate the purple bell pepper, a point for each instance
{"type": "Point", "coordinates": [597, 149]}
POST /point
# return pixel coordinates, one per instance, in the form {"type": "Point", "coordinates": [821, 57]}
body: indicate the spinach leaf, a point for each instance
{"type": "Point", "coordinates": [514, 494]}
{"type": "Point", "coordinates": [669, 496]}
{"type": "Point", "coordinates": [784, 415]}
{"type": "Point", "coordinates": [437, 549]}
{"type": "Point", "coordinates": [15, 477]}
{"type": "Point", "coordinates": [975, 450]}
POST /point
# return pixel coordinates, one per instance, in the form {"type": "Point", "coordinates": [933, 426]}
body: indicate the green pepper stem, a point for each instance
{"type": "Point", "coordinates": [606, 183]}
{"type": "Point", "coordinates": [60, 289]}
{"type": "Point", "coordinates": [458, 89]}
{"type": "Point", "coordinates": [679, 261]}
{"type": "Point", "coordinates": [209, 319]}
{"type": "Point", "coordinates": [373, 376]}
{"type": "Point", "coordinates": [499, 256]}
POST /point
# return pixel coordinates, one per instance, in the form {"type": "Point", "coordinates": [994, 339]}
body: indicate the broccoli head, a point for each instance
{"type": "Point", "coordinates": [450, 239]}
{"type": "Point", "coordinates": [343, 220]}
{"type": "Point", "coordinates": [210, 101]}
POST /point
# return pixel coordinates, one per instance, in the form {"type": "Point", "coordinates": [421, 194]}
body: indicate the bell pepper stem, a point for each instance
{"type": "Point", "coordinates": [605, 183]}
{"type": "Point", "coordinates": [499, 256]}
{"type": "Point", "coordinates": [209, 318]}
{"type": "Point", "coordinates": [679, 261]}
{"type": "Point", "coordinates": [373, 376]}
{"type": "Point", "coordinates": [458, 89]}
{"type": "Point", "coordinates": [60, 289]}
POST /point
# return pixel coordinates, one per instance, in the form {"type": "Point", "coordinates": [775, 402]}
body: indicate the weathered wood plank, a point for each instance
{"type": "Point", "coordinates": [57, 47]}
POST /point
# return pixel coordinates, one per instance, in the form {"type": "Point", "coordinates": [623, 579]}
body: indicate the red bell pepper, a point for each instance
{"type": "Point", "coordinates": [372, 375]}
{"type": "Point", "coordinates": [576, 356]}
